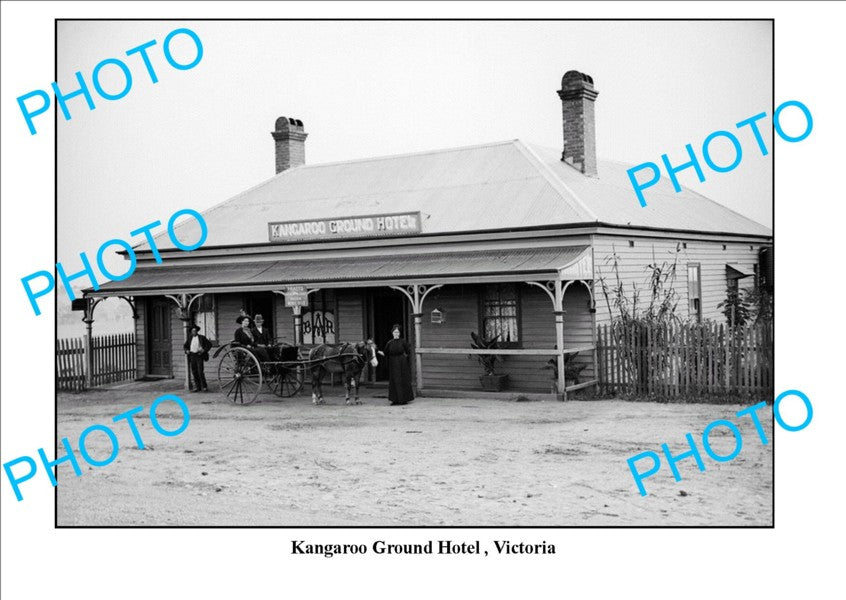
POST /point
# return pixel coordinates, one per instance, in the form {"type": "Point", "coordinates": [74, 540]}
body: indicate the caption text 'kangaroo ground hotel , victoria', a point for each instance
{"type": "Point", "coordinates": [502, 238]}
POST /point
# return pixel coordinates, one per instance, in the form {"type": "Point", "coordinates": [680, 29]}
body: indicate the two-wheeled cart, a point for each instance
{"type": "Point", "coordinates": [241, 374]}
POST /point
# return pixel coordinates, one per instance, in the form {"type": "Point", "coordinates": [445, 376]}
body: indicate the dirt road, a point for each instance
{"type": "Point", "coordinates": [434, 462]}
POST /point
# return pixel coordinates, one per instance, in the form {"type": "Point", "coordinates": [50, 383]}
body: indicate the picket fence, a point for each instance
{"type": "Point", "coordinates": [680, 362]}
{"type": "Point", "coordinates": [112, 360]}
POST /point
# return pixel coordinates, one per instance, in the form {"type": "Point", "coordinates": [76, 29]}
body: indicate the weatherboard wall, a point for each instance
{"type": "Point", "coordinates": [635, 254]}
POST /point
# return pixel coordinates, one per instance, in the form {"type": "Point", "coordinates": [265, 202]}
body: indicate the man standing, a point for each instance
{"type": "Point", "coordinates": [197, 348]}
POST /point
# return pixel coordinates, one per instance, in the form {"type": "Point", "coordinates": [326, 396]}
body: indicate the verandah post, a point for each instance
{"type": "Point", "coordinates": [559, 337]}
{"type": "Point", "coordinates": [298, 325]}
{"type": "Point", "coordinates": [89, 344]}
{"type": "Point", "coordinates": [418, 358]}
{"type": "Point", "coordinates": [185, 316]}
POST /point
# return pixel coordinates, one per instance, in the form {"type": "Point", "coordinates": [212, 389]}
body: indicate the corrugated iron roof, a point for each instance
{"type": "Point", "coordinates": [502, 185]}
{"type": "Point", "coordinates": [166, 278]}
{"type": "Point", "coordinates": [611, 198]}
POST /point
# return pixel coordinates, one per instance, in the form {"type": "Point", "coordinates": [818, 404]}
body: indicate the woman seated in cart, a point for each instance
{"type": "Point", "coordinates": [246, 336]}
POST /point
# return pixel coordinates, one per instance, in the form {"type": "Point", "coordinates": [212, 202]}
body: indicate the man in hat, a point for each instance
{"type": "Point", "coordinates": [261, 332]}
{"type": "Point", "coordinates": [197, 348]}
{"type": "Point", "coordinates": [264, 338]}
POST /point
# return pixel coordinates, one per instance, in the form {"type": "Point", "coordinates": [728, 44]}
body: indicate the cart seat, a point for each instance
{"type": "Point", "coordinates": [289, 353]}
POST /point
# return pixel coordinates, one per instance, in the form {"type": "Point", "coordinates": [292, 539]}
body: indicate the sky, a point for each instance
{"type": "Point", "coordinates": [363, 89]}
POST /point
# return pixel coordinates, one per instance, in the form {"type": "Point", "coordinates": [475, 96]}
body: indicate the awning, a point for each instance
{"type": "Point", "coordinates": [735, 271]}
{"type": "Point", "coordinates": [370, 271]}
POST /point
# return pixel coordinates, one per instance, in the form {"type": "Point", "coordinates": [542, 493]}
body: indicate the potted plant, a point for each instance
{"type": "Point", "coordinates": [491, 381]}
{"type": "Point", "coordinates": [572, 370]}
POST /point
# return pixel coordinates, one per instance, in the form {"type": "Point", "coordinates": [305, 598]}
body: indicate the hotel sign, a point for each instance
{"type": "Point", "coordinates": [296, 295]}
{"type": "Point", "coordinates": [396, 224]}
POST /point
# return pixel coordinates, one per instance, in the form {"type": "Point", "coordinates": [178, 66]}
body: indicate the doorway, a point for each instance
{"type": "Point", "coordinates": [159, 347]}
{"type": "Point", "coordinates": [387, 307]}
{"type": "Point", "coordinates": [261, 303]}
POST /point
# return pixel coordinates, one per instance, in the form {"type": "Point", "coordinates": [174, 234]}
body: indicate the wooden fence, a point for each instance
{"type": "Point", "coordinates": [112, 359]}
{"type": "Point", "coordinates": [70, 364]}
{"type": "Point", "coordinates": [685, 361]}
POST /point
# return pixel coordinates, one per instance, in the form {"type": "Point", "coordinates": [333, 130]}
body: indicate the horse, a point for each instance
{"type": "Point", "coordinates": [347, 359]}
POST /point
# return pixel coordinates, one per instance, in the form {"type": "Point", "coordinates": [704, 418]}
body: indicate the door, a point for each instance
{"type": "Point", "coordinates": [159, 343]}
{"type": "Point", "coordinates": [261, 303]}
{"type": "Point", "coordinates": [389, 307]}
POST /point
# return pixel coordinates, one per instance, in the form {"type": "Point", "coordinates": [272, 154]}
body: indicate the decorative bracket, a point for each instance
{"type": "Point", "coordinates": [131, 301]}
{"type": "Point", "coordinates": [587, 285]}
{"type": "Point", "coordinates": [416, 294]}
{"type": "Point", "coordinates": [183, 303]}
{"type": "Point", "coordinates": [281, 293]}
{"type": "Point", "coordinates": [554, 291]}
{"type": "Point", "coordinates": [297, 309]}
{"type": "Point", "coordinates": [90, 305]}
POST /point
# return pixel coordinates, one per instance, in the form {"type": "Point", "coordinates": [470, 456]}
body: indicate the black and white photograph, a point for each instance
{"type": "Point", "coordinates": [437, 288]}
{"type": "Point", "coordinates": [403, 318]}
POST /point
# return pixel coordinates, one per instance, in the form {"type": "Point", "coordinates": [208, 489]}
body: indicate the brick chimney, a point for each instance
{"type": "Point", "coordinates": [290, 143]}
{"type": "Point", "coordinates": [577, 98]}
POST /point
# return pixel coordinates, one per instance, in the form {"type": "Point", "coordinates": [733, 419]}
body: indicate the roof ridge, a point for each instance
{"type": "Point", "coordinates": [404, 155]}
{"type": "Point", "coordinates": [574, 201]}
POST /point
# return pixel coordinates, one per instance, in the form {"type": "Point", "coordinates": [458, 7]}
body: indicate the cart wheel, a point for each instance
{"type": "Point", "coordinates": [288, 381]}
{"type": "Point", "coordinates": [239, 374]}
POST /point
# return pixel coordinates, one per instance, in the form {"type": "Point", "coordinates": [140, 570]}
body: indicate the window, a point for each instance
{"type": "Point", "coordinates": [205, 315]}
{"type": "Point", "coordinates": [500, 313]}
{"type": "Point", "coordinates": [319, 318]}
{"type": "Point", "coordinates": [694, 291]}
{"type": "Point", "coordinates": [732, 286]}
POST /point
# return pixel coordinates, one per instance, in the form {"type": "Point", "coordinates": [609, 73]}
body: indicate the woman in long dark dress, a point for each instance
{"type": "Point", "coordinates": [398, 354]}
{"type": "Point", "coordinates": [244, 335]}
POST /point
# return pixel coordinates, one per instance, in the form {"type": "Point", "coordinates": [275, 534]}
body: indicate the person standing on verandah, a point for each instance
{"type": "Point", "coordinates": [197, 349]}
{"type": "Point", "coordinates": [398, 353]}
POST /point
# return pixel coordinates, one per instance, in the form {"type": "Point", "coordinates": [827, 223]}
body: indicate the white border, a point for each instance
{"type": "Point", "coordinates": [40, 562]}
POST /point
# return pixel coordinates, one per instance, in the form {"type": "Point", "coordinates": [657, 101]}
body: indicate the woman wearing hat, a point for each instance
{"type": "Point", "coordinates": [245, 336]}
{"type": "Point", "coordinates": [399, 368]}
{"type": "Point", "coordinates": [197, 349]}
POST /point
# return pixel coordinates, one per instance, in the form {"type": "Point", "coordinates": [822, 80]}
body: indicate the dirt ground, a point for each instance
{"type": "Point", "coordinates": [435, 462]}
